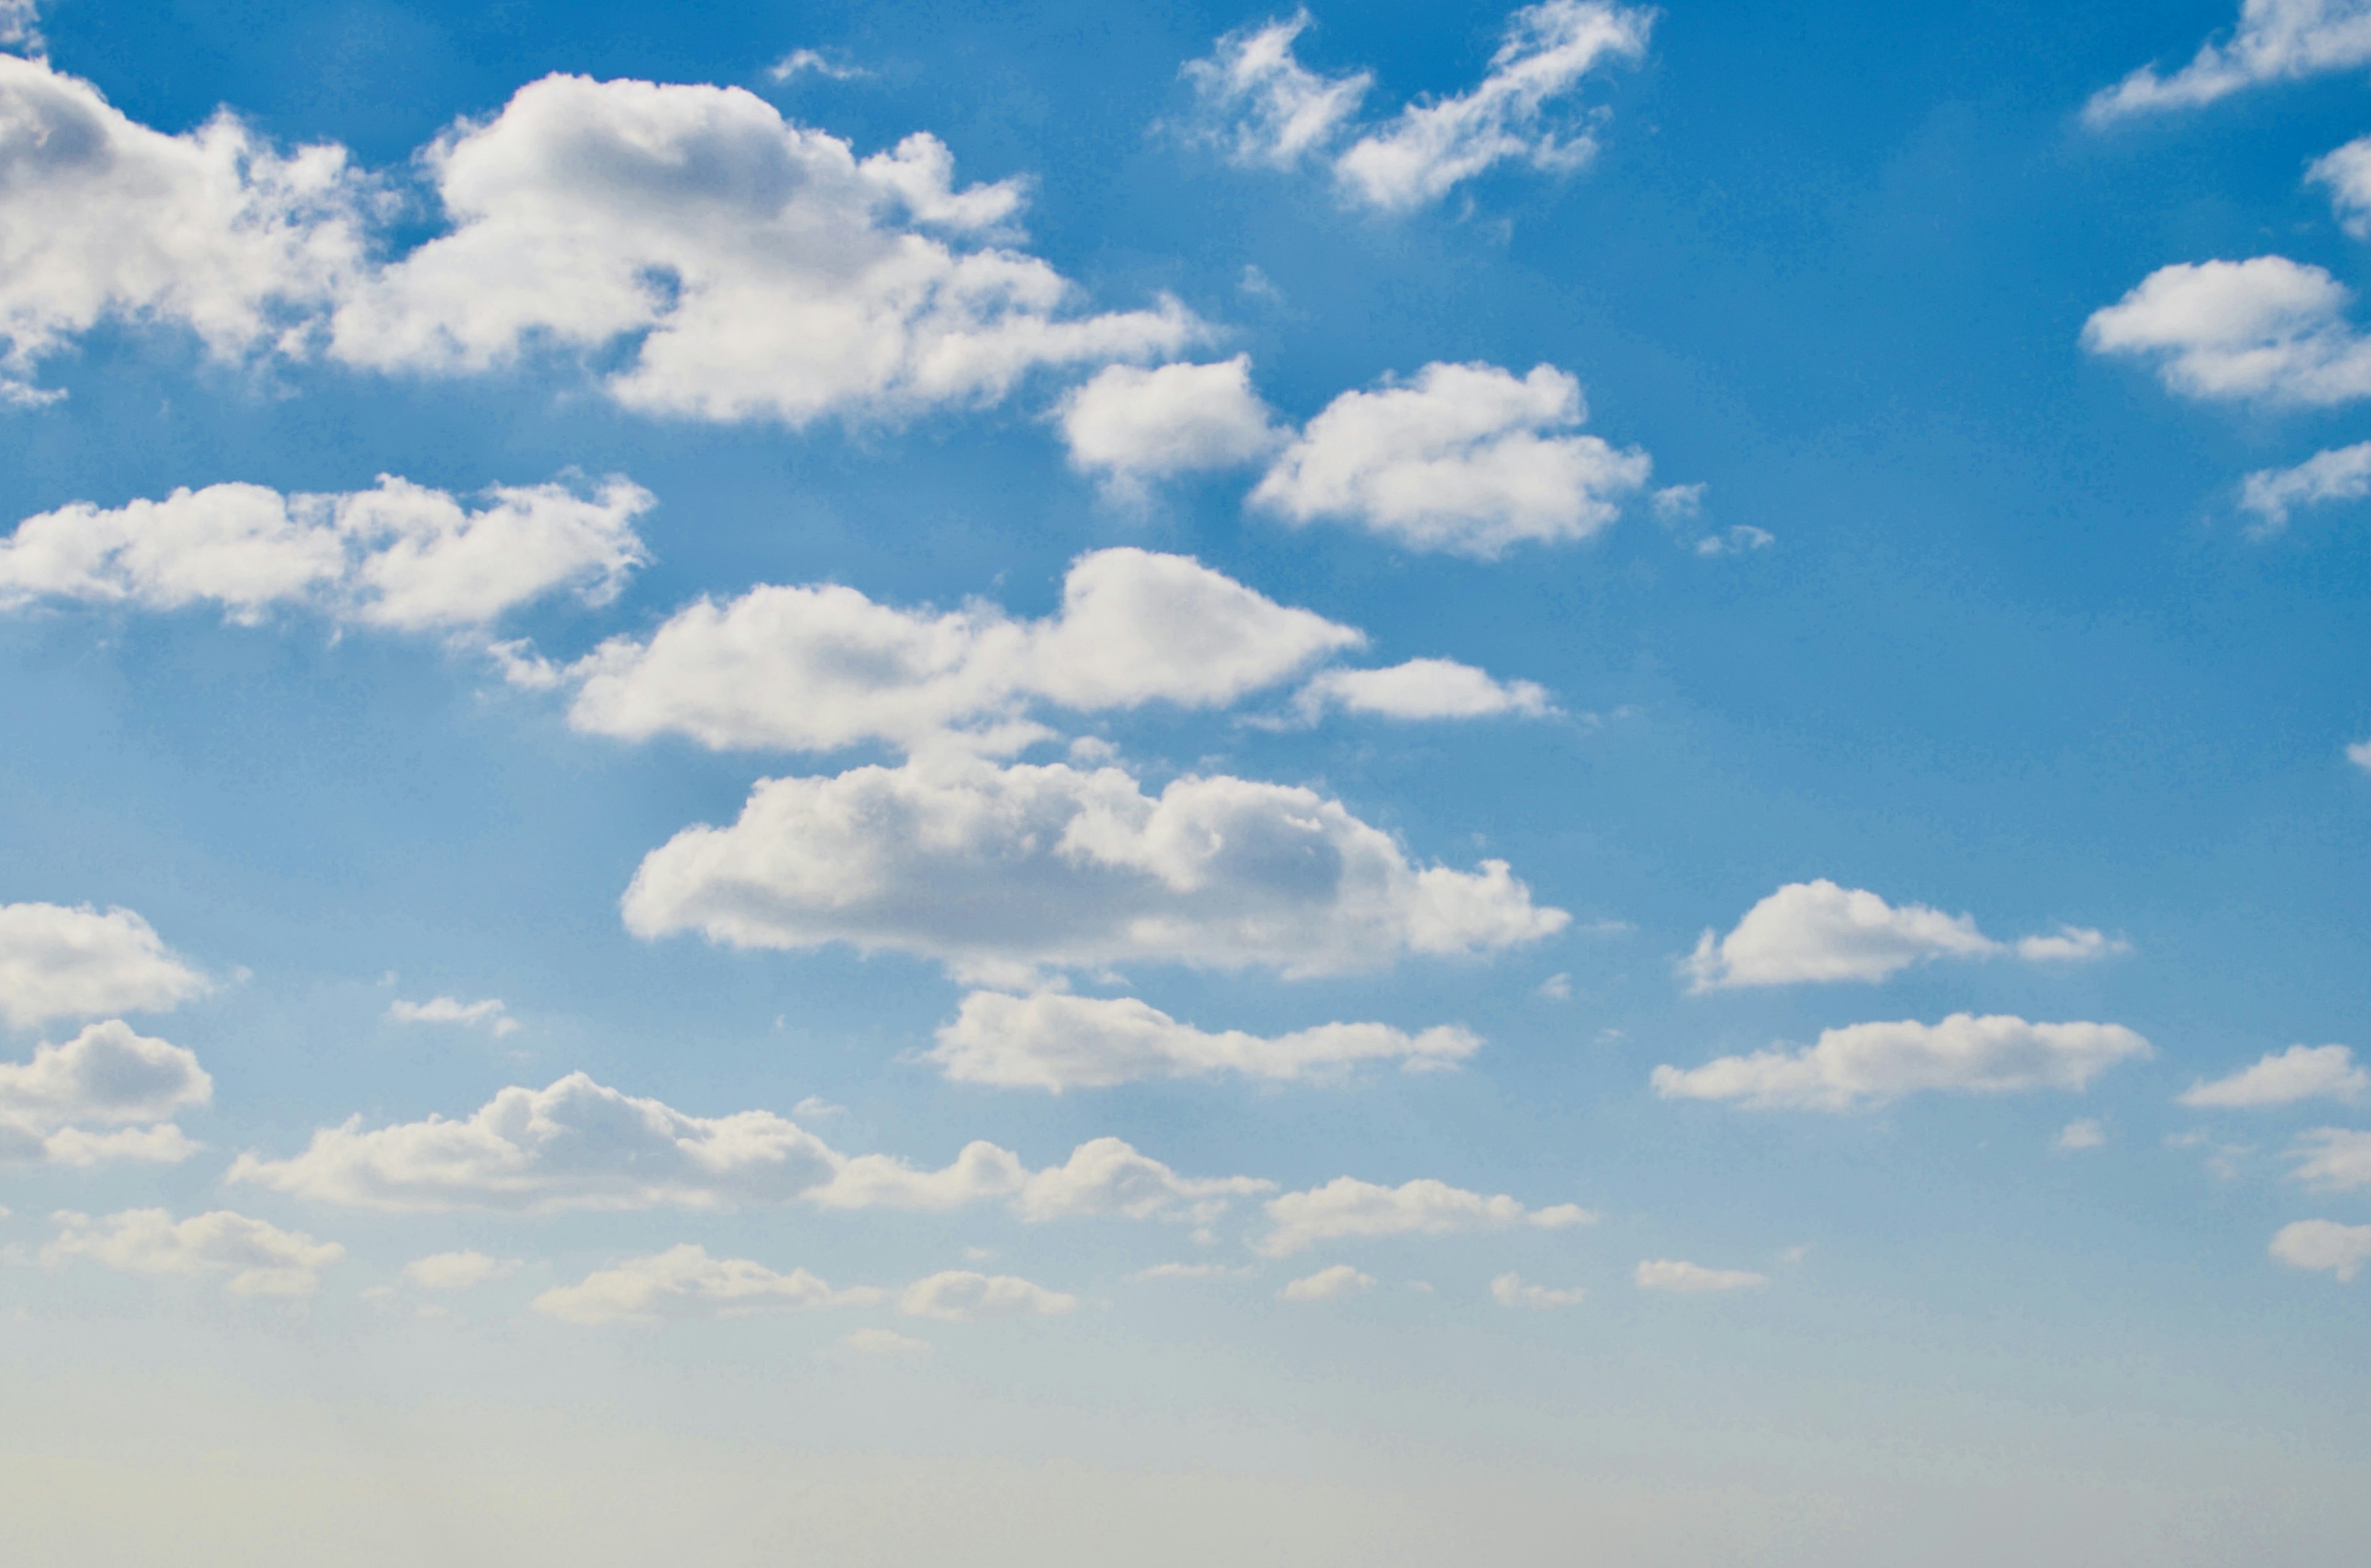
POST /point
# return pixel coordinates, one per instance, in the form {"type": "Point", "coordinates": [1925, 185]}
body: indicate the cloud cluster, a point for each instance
{"type": "Point", "coordinates": [1261, 106]}
{"type": "Point", "coordinates": [1683, 1278]}
{"type": "Point", "coordinates": [2324, 1246]}
{"type": "Point", "coordinates": [685, 1281]}
{"type": "Point", "coordinates": [2341, 473]}
{"type": "Point", "coordinates": [57, 962]}
{"type": "Point", "coordinates": [260, 1258]}
{"type": "Point", "coordinates": [728, 264]}
{"type": "Point", "coordinates": [961, 1295]}
{"type": "Point", "coordinates": [108, 1076]}
{"type": "Point", "coordinates": [1055, 1041]}
{"type": "Point", "coordinates": [1003, 871]}
{"type": "Point", "coordinates": [1872, 1064]}
{"type": "Point", "coordinates": [2267, 329]}
{"type": "Point", "coordinates": [1349, 1209]}
{"type": "Point", "coordinates": [2275, 41]}
{"type": "Point", "coordinates": [1818, 931]}
{"type": "Point", "coordinates": [2301, 1072]}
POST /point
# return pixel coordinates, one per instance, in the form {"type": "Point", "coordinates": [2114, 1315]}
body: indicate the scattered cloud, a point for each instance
{"type": "Point", "coordinates": [1130, 426]}
{"type": "Point", "coordinates": [1817, 931]}
{"type": "Point", "coordinates": [2346, 171]}
{"type": "Point", "coordinates": [261, 1259]}
{"type": "Point", "coordinates": [2275, 41]}
{"type": "Point", "coordinates": [2359, 753]}
{"type": "Point", "coordinates": [2268, 329]}
{"type": "Point", "coordinates": [1423, 689]}
{"type": "Point", "coordinates": [2342, 474]}
{"type": "Point", "coordinates": [488, 1014]}
{"type": "Point", "coordinates": [1347, 1209]}
{"type": "Point", "coordinates": [1508, 1290]}
{"type": "Point", "coordinates": [57, 962]}
{"type": "Point", "coordinates": [457, 1271]}
{"type": "Point", "coordinates": [1693, 1279]}
{"type": "Point", "coordinates": [2082, 1134]}
{"type": "Point", "coordinates": [685, 1281]}
{"type": "Point", "coordinates": [1327, 1285]}
{"type": "Point", "coordinates": [884, 1341]}
{"type": "Point", "coordinates": [1468, 459]}
{"type": "Point", "coordinates": [2301, 1072]}
{"type": "Point", "coordinates": [1555, 988]}
{"type": "Point", "coordinates": [20, 27]}
{"type": "Point", "coordinates": [2333, 1160]}
{"type": "Point", "coordinates": [959, 1295]}
{"type": "Point", "coordinates": [1740, 540]}
{"type": "Point", "coordinates": [1055, 1041]}
{"type": "Point", "coordinates": [2324, 1246]}
{"type": "Point", "coordinates": [1873, 1063]}
{"type": "Point", "coordinates": [1261, 106]}
{"type": "Point", "coordinates": [1000, 873]}
{"type": "Point", "coordinates": [107, 1075]}
{"type": "Point", "coordinates": [808, 63]}
{"type": "Point", "coordinates": [1193, 1271]}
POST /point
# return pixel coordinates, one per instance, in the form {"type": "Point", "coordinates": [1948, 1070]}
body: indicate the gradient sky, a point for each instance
{"type": "Point", "coordinates": [1413, 784]}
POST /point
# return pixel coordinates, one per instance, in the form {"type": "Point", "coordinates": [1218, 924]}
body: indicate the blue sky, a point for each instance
{"type": "Point", "coordinates": [1656, 704]}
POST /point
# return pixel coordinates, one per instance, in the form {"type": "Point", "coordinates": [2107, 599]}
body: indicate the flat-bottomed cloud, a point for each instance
{"type": "Point", "coordinates": [1872, 1064]}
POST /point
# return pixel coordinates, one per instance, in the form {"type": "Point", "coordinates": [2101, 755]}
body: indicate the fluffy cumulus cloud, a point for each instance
{"type": "Point", "coordinates": [399, 556]}
{"type": "Point", "coordinates": [578, 1145]}
{"type": "Point", "coordinates": [1508, 1290]}
{"type": "Point", "coordinates": [960, 1296]}
{"type": "Point", "coordinates": [685, 1281]}
{"type": "Point", "coordinates": [2268, 329]}
{"type": "Point", "coordinates": [1129, 425]}
{"type": "Point", "coordinates": [2275, 41]}
{"type": "Point", "coordinates": [1055, 1041]}
{"type": "Point", "coordinates": [1000, 871]}
{"type": "Point", "coordinates": [1349, 1209]}
{"type": "Point", "coordinates": [818, 668]}
{"type": "Point", "coordinates": [1464, 458]}
{"type": "Point", "coordinates": [2324, 1246]}
{"type": "Point", "coordinates": [2341, 473]}
{"type": "Point", "coordinates": [58, 962]}
{"type": "Point", "coordinates": [729, 264]}
{"type": "Point", "coordinates": [1820, 931]}
{"type": "Point", "coordinates": [2284, 1077]}
{"type": "Point", "coordinates": [1261, 106]}
{"type": "Point", "coordinates": [488, 1014]}
{"type": "Point", "coordinates": [457, 1271]}
{"type": "Point", "coordinates": [260, 1258]}
{"type": "Point", "coordinates": [1327, 1285]}
{"type": "Point", "coordinates": [1693, 1279]}
{"type": "Point", "coordinates": [2333, 1160]}
{"type": "Point", "coordinates": [107, 1076]}
{"type": "Point", "coordinates": [2346, 173]}
{"type": "Point", "coordinates": [1422, 688]}
{"type": "Point", "coordinates": [1872, 1064]}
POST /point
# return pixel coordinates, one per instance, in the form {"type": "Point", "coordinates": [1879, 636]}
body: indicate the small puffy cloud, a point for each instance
{"type": "Point", "coordinates": [2301, 1072]}
{"type": "Point", "coordinates": [2359, 753]}
{"type": "Point", "coordinates": [884, 1341]}
{"type": "Point", "coordinates": [2078, 1135]}
{"type": "Point", "coordinates": [261, 1259]}
{"type": "Point", "coordinates": [1327, 1285]}
{"type": "Point", "coordinates": [455, 1270]}
{"type": "Point", "coordinates": [2324, 1246]}
{"type": "Point", "coordinates": [1129, 425]}
{"type": "Point", "coordinates": [1872, 1064]}
{"type": "Point", "coordinates": [818, 668]}
{"type": "Point", "coordinates": [809, 63]}
{"type": "Point", "coordinates": [685, 1281]}
{"type": "Point", "coordinates": [57, 962]}
{"type": "Point", "coordinates": [1545, 53]}
{"type": "Point", "coordinates": [401, 556]}
{"type": "Point", "coordinates": [2347, 172]}
{"type": "Point", "coordinates": [2275, 41]}
{"type": "Point", "coordinates": [1346, 1208]}
{"type": "Point", "coordinates": [2341, 473]}
{"type": "Point", "coordinates": [1055, 1041]}
{"type": "Point", "coordinates": [488, 1014]}
{"type": "Point", "coordinates": [1740, 540]}
{"type": "Point", "coordinates": [1000, 871]}
{"type": "Point", "coordinates": [1508, 1290]}
{"type": "Point", "coordinates": [1693, 1279]}
{"type": "Point", "coordinates": [108, 1075]}
{"type": "Point", "coordinates": [1463, 458]}
{"type": "Point", "coordinates": [2333, 1160]}
{"type": "Point", "coordinates": [960, 1296]}
{"type": "Point", "coordinates": [2268, 329]}
{"type": "Point", "coordinates": [1423, 689]}
{"type": "Point", "coordinates": [1818, 931]}
{"type": "Point", "coordinates": [1259, 105]}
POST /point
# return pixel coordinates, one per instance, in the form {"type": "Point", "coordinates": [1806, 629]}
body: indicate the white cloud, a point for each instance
{"type": "Point", "coordinates": [261, 1259]}
{"type": "Point", "coordinates": [20, 25]}
{"type": "Point", "coordinates": [685, 1281]}
{"type": "Point", "coordinates": [1739, 540]}
{"type": "Point", "coordinates": [1131, 425]}
{"type": "Point", "coordinates": [809, 63]}
{"type": "Point", "coordinates": [821, 667]}
{"type": "Point", "coordinates": [108, 1075]}
{"type": "Point", "coordinates": [1262, 106]}
{"type": "Point", "coordinates": [2275, 41]}
{"type": "Point", "coordinates": [1693, 1279]}
{"type": "Point", "coordinates": [1543, 54]}
{"type": "Point", "coordinates": [2341, 474]}
{"type": "Point", "coordinates": [1327, 1285]}
{"type": "Point", "coordinates": [2324, 1246]}
{"type": "Point", "coordinates": [1463, 458]}
{"type": "Point", "coordinates": [1818, 931]}
{"type": "Point", "coordinates": [1555, 988]}
{"type": "Point", "coordinates": [1423, 689]}
{"type": "Point", "coordinates": [457, 1271]}
{"type": "Point", "coordinates": [2301, 1072]}
{"type": "Point", "coordinates": [61, 962]}
{"type": "Point", "coordinates": [577, 1145]}
{"type": "Point", "coordinates": [2268, 329]}
{"type": "Point", "coordinates": [398, 556]}
{"type": "Point", "coordinates": [1055, 1041]}
{"type": "Point", "coordinates": [959, 1295]}
{"type": "Point", "coordinates": [1508, 1290]}
{"type": "Point", "coordinates": [2078, 1135]}
{"type": "Point", "coordinates": [884, 1341]}
{"type": "Point", "coordinates": [2359, 753]}
{"type": "Point", "coordinates": [2333, 1160]}
{"type": "Point", "coordinates": [998, 871]}
{"type": "Point", "coordinates": [1867, 1064]}
{"type": "Point", "coordinates": [1347, 1208]}
{"type": "Point", "coordinates": [488, 1013]}
{"type": "Point", "coordinates": [1191, 1271]}
{"type": "Point", "coordinates": [729, 264]}
{"type": "Point", "coordinates": [2347, 172]}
